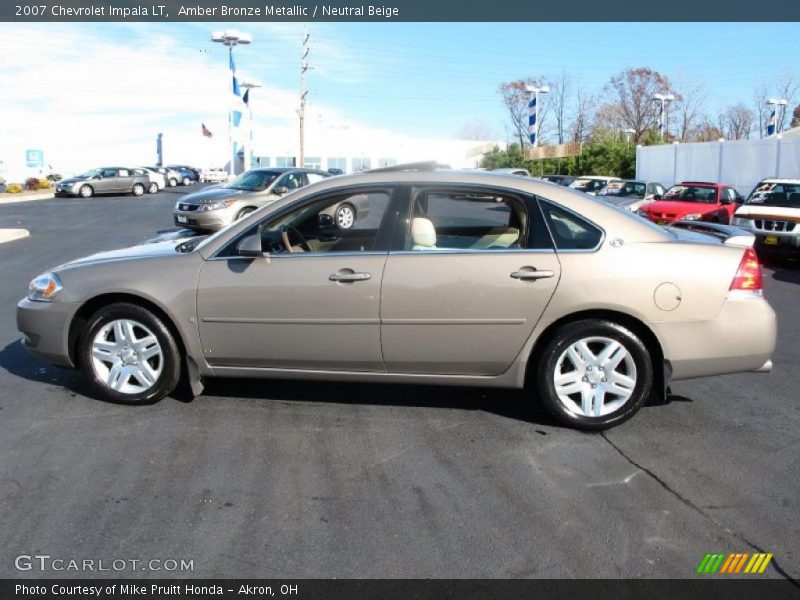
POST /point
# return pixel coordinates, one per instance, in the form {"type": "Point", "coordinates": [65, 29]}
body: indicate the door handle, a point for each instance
{"type": "Point", "coordinates": [531, 274]}
{"type": "Point", "coordinates": [349, 277]}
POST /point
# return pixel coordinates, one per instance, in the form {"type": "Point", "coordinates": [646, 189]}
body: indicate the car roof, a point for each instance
{"type": "Point", "coordinates": [703, 184]}
{"type": "Point", "coordinates": [779, 180]}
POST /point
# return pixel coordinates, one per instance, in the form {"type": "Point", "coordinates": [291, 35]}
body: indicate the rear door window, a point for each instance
{"type": "Point", "coordinates": [569, 231]}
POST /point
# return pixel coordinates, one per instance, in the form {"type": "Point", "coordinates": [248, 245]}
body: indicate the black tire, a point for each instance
{"type": "Point", "coordinates": [571, 333]}
{"type": "Point", "coordinates": [152, 188]}
{"type": "Point", "coordinates": [340, 211]}
{"type": "Point", "coordinates": [138, 189]}
{"type": "Point", "coordinates": [86, 191]}
{"type": "Point", "coordinates": [186, 181]}
{"type": "Point", "coordinates": [170, 354]}
{"type": "Point", "coordinates": [244, 212]}
{"type": "Point", "coordinates": [173, 182]}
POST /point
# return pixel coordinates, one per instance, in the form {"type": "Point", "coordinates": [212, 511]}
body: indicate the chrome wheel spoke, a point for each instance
{"type": "Point", "coordinates": [123, 362]}
{"type": "Point", "coordinates": [117, 377]}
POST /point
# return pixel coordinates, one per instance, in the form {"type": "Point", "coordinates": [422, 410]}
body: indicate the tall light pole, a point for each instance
{"type": "Point", "coordinates": [231, 38]}
{"type": "Point", "coordinates": [248, 146]}
{"type": "Point", "coordinates": [662, 118]}
{"type": "Point", "coordinates": [774, 123]}
{"type": "Point", "coordinates": [533, 112]}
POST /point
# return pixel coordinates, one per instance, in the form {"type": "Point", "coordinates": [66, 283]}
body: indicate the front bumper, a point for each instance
{"type": "Point", "coordinates": [210, 220]}
{"type": "Point", "coordinates": [45, 329]}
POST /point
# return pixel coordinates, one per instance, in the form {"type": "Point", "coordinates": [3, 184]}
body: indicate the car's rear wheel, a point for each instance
{"type": "Point", "coordinates": [187, 181]}
{"type": "Point", "coordinates": [173, 182]}
{"type": "Point", "coordinates": [86, 191]}
{"type": "Point", "coordinates": [244, 212]}
{"type": "Point", "coordinates": [128, 355]}
{"type": "Point", "coordinates": [594, 374]}
{"type": "Point", "coordinates": [345, 216]}
{"type": "Point", "coordinates": [152, 188]}
{"type": "Point", "coordinates": [138, 189]}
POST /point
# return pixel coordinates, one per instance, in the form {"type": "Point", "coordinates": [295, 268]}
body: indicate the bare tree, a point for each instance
{"type": "Point", "coordinates": [515, 98]}
{"type": "Point", "coordinates": [560, 91]}
{"type": "Point", "coordinates": [689, 109]}
{"type": "Point", "coordinates": [608, 118]}
{"type": "Point", "coordinates": [582, 120]}
{"type": "Point", "coordinates": [706, 132]}
{"type": "Point", "coordinates": [476, 131]}
{"type": "Point", "coordinates": [633, 91]}
{"type": "Point", "coordinates": [737, 122]}
{"type": "Point", "coordinates": [760, 95]}
{"type": "Point", "coordinates": [787, 87]}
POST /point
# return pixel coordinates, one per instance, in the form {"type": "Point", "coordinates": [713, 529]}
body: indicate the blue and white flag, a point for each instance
{"type": "Point", "coordinates": [772, 124]}
{"type": "Point", "coordinates": [237, 106]}
{"type": "Point", "coordinates": [532, 119]}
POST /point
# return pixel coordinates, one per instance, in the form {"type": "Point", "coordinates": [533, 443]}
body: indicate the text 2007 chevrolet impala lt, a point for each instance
{"type": "Point", "coordinates": [463, 278]}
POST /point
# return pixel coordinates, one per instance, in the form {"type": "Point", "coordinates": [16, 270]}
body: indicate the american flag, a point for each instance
{"type": "Point", "coordinates": [206, 131]}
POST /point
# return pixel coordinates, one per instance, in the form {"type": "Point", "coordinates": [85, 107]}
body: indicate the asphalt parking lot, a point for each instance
{"type": "Point", "coordinates": [292, 479]}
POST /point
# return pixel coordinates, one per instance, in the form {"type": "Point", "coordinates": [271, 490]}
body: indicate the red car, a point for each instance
{"type": "Point", "coordinates": [693, 201]}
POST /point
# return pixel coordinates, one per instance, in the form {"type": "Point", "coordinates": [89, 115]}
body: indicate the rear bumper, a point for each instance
{"type": "Point", "coordinates": [45, 329]}
{"type": "Point", "coordinates": [740, 338]}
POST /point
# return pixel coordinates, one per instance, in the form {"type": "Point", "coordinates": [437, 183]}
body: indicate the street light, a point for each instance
{"type": "Point", "coordinates": [773, 125]}
{"type": "Point", "coordinates": [533, 112]}
{"type": "Point", "coordinates": [248, 147]}
{"type": "Point", "coordinates": [662, 119]}
{"type": "Point", "coordinates": [231, 38]}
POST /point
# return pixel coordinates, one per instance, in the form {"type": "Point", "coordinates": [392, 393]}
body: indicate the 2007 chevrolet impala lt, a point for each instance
{"type": "Point", "coordinates": [463, 278]}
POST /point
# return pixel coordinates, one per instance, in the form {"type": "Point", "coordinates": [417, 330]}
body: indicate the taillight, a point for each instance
{"type": "Point", "coordinates": [748, 277]}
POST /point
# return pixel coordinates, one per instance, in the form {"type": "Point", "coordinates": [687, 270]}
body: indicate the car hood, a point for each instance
{"type": "Point", "coordinates": [756, 211]}
{"type": "Point", "coordinates": [679, 207]}
{"type": "Point", "coordinates": [145, 250]}
{"type": "Point", "coordinates": [215, 193]}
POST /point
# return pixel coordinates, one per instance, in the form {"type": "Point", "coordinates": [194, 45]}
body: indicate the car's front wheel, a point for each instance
{"type": "Point", "coordinates": [594, 374]}
{"type": "Point", "coordinates": [187, 181]}
{"type": "Point", "coordinates": [173, 182]}
{"type": "Point", "coordinates": [129, 355]}
{"type": "Point", "coordinates": [152, 188]}
{"type": "Point", "coordinates": [244, 212]}
{"type": "Point", "coordinates": [86, 191]}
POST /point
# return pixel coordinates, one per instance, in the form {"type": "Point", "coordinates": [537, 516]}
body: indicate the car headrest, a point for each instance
{"type": "Point", "coordinates": [423, 233]}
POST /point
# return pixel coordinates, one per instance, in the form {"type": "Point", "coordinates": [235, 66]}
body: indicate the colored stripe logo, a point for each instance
{"type": "Point", "coordinates": [734, 563]}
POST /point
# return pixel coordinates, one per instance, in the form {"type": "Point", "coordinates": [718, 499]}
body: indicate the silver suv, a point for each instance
{"type": "Point", "coordinates": [772, 213]}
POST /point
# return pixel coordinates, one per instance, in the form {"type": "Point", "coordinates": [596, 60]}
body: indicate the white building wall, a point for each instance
{"type": "Point", "coordinates": [740, 163]}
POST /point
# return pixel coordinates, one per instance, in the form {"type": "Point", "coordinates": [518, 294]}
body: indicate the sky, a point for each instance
{"type": "Point", "coordinates": [91, 93]}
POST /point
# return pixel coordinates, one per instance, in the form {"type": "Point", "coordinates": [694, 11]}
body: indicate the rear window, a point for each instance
{"type": "Point", "coordinates": [569, 231]}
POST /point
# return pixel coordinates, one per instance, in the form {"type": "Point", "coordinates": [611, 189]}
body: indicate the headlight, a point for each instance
{"type": "Point", "coordinates": [642, 213]}
{"type": "Point", "coordinates": [44, 288]}
{"type": "Point", "coordinates": [692, 217]}
{"type": "Point", "coordinates": [739, 222]}
{"type": "Point", "coordinates": [216, 205]}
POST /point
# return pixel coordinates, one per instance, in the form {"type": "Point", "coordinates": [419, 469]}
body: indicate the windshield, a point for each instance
{"type": "Point", "coordinates": [253, 181]}
{"type": "Point", "coordinates": [629, 189]}
{"type": "Point", "coordinates": [90, 173]}
{"type": "Point", "coordinates": [692, 193]}
{"type": "Point", "coordinates": [776, 194]}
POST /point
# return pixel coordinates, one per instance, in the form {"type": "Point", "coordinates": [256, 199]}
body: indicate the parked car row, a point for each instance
{"type": "Point", "coordinates": [126, 180]}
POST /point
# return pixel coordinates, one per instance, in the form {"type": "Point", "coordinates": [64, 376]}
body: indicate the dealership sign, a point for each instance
{"type": "Point", "coordinates": [34, 158]}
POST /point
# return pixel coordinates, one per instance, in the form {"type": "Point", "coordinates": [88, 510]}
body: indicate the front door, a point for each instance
{"type": "Point", "coordinates": [476, 274]}
{"type": "Point", "coordinates": [312, 302]}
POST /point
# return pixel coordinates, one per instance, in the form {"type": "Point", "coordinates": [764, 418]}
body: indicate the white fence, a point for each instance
{"type": "Point", "coordinates": [740, 163]}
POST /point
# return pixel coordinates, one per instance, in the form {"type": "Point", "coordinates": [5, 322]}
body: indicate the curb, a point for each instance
{"type": "Point", "coordinates": [14, 198]}
{"type": "Point", "coordinates": [9, 235]}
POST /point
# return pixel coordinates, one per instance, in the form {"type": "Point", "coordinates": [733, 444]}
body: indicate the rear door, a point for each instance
{"type": "Point", "coordinates": [472, 274]}
{"type": "Point", "coordinates": [124, 180]}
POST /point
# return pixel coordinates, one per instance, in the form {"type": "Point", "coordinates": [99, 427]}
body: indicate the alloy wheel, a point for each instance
{"type": "Point", "coordinates": [126, 356]}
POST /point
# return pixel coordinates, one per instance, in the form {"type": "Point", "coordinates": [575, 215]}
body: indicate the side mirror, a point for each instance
{"type": "Point", "coordinates": [250, 246]}
{"type": "Point", "coordinates": [280, 190]}
{"type": "Point", "coordinates": [725, 201]}
{"type": "Point", "coordinates": [326, 221]}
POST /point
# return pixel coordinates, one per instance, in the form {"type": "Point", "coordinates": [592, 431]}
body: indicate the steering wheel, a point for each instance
{"type": "Point", "coordinates": [304, 247]}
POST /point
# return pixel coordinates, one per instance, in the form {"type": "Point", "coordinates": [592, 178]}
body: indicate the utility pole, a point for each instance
{"type": "Point", "coordinates": [303, 94]}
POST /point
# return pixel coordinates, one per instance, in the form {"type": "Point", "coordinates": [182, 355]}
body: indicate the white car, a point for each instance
{"type": "Point", "coordinates": [157, 181]}
{"type": "Point", "coordinates": [213, 175]}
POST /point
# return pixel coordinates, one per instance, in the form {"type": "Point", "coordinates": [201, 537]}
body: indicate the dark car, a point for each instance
{"type": "Point", "coordinates": [559, 179]}
{"type": "Point", "coordinates": [188, 174]}
{"type": "Point", "coordinates": [105, 180]}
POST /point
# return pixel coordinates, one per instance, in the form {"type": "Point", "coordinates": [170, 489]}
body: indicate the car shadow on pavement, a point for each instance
{"type": "Point", "coordinates": [17, 361]}
{"type": "Point", "coordinates": [786, 270]}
